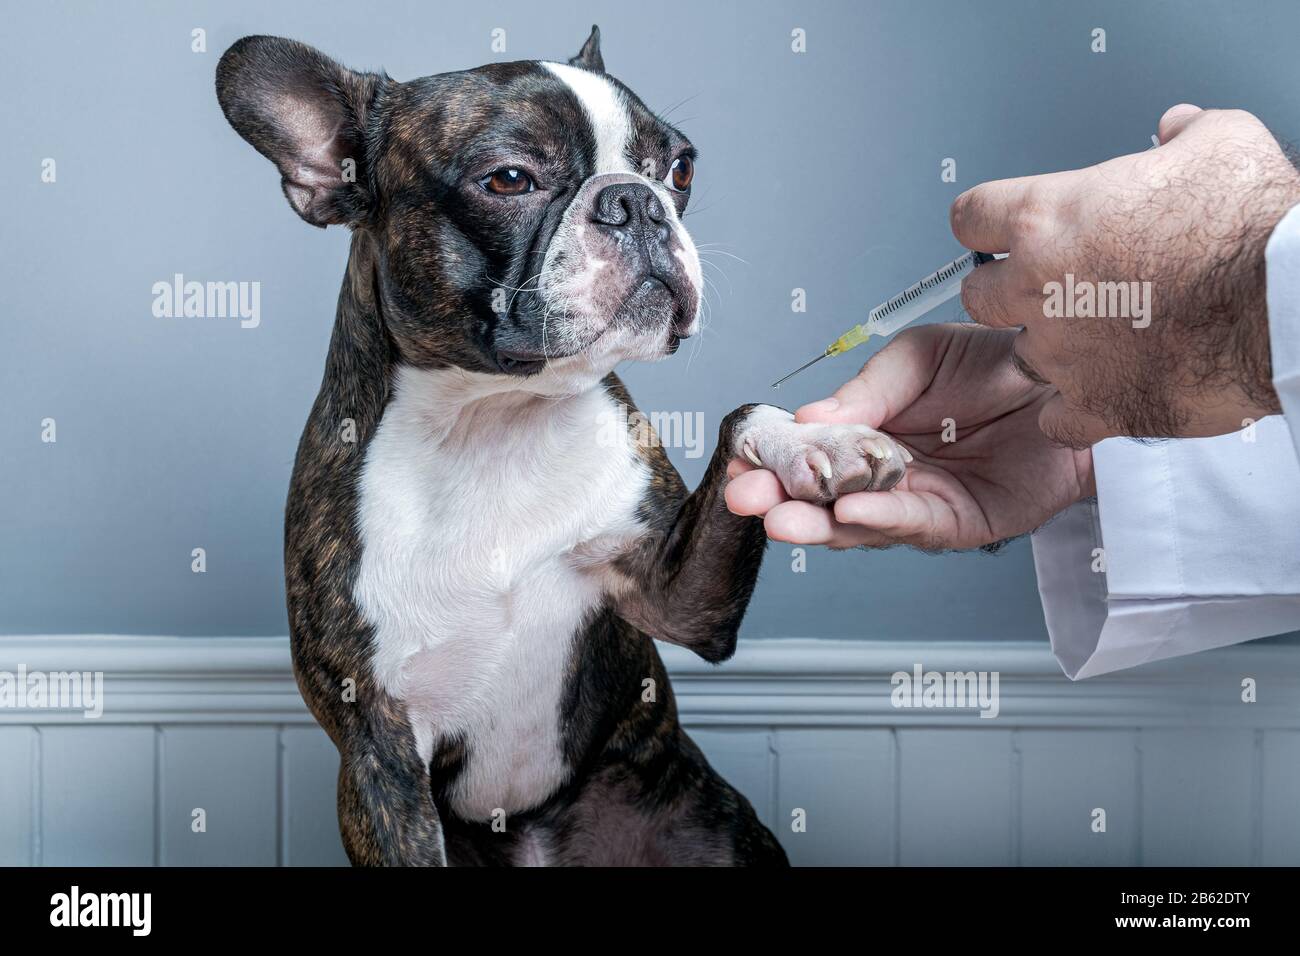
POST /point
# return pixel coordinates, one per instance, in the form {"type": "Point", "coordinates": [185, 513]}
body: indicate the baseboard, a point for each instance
{"type": "Point", "coordinates": [794, 682]}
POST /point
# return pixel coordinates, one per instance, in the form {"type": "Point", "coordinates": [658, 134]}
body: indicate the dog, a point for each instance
{"type": "Point", "coordinates": [477, 563]}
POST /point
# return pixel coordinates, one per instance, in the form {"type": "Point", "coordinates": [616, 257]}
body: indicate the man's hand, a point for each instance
{"type": "Point", "coordinates": [983, 471]}
{"type": "Point", "coordinates": [1139, 283]}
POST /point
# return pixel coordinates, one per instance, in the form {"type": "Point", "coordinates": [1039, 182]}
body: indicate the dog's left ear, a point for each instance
{"type": "Point", "coordinates": [308, 115]}
{"type": "Point", "coordinates": [589, 56]}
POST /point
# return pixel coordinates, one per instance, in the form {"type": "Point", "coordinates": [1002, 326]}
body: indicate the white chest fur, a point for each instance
{"type": "Point", "coordinates": [484, 521]}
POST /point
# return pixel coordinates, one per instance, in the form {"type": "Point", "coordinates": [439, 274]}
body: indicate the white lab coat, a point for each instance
{"type": "Point", "coordinates": [1190, 544]}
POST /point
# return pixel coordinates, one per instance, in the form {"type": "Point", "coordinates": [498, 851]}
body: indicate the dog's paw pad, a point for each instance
{"type": "Point", "coordinates": [820, 463]}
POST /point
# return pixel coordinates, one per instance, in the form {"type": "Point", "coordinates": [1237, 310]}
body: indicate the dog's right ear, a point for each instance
{"type": "Point", "coordinates": [589, 56]}
{"type": "Point", "coordinates": [307, 114]}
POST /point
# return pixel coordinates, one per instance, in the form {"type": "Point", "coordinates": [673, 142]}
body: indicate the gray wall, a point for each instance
{"type": "Point", "coordinates": [819, 171]}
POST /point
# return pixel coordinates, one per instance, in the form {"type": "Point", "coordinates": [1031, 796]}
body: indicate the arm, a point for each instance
{"type": "Point", "coordinates": [688, 581]}
{"type": "Point", "coordinates": [1170, 580]}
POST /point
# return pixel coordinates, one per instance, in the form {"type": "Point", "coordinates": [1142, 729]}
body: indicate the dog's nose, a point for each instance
{"type": "Point", "coordinates": [628, 206]}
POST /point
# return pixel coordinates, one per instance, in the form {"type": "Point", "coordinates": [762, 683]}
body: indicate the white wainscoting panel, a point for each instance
{"type": "Point", "coordinates": [1063, 781]}
{"type": "Point", "coordinates": [1280, 798]}
{"type": "Point", "coordinates": [1182, 769]}
{"type": "Point", "coordinates": [98, 786]}
{"type": "Point", "coordinates": [843, 781]}
{"type": "Point", "coordinates": [19, 749]}
{"type": "Point", "coordinates": [229, 774]}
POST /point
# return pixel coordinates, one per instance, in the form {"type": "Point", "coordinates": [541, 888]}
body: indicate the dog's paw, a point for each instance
{"type": "Point", "coordinates": [820, 463]}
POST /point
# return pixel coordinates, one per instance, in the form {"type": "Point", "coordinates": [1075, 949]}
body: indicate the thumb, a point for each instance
{"type": "Point", "coordinates": [1175, 120]}
{"type": "Point", "coordinates": [889, 382]}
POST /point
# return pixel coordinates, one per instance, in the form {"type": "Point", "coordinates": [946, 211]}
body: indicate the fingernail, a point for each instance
{"type": "Point", "coordinates": [825, 405]}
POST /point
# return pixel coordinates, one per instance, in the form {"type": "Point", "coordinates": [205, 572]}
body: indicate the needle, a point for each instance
{"type": "Point", "coordinates": [777, 383]}
{"type": "Point", "coordinates": [906, 307]}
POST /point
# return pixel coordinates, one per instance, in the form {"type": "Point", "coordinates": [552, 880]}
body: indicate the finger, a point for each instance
{"type": "Point", "coordinates": [754, 493]}
{"type": "Point", "coordinates": [983, 217]}
{"type": "Point", "coordinates": [986, 295]}
{"type": "Point", "coordinates": [737, 467]}
{"type": "Point", "coordinates": [891, 380]}
{"type": "Point", "coordinates": [853, 536]}
{"type": "Point", "coordinates": [1175, 120]}
{"type": "Point", "coordinates": [1023, 363]}
{"type": "Point", "coordinates": [904, 515]}
{"type": "Point", "coordinates": [798, 522]}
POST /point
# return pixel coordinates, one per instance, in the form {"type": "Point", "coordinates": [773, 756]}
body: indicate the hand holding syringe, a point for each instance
{"type": "Point", "coordinates": [906, 307]}
{"type": "Point", "coordinates": [1025, 449]}
{"type": "Point", "coordinates": [910, 304]}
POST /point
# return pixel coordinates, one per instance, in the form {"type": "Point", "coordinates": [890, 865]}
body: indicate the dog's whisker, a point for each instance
{"type": "Point", "coordinates": [678, 105]}
{"type": "Point", "coordinates": [697, 210]}
{"type": "Point", "coordinates": [538, 277]}
{"type": "Point", "coordinates": [714, 251]}
{"type": "Point", "coordinates": [502, 284]}
{"type": "Point", "coordinates": [721, 272]}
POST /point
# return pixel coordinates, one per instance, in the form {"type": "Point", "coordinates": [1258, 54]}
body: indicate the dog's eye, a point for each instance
{"type": "Point", "coordinates": [508, 182]}
{"type": "Point", "coordinates": [681, 173]}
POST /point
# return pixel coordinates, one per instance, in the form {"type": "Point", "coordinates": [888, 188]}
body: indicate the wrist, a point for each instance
{"type": "Point", "coordinates": [1276, 194]}
{"type": "Point", "coordinates": [1086, 477]}
{"type": "Point", "coordinates": [1233, 371]}
{"type": "Point", "coordinates": [1248, 349]}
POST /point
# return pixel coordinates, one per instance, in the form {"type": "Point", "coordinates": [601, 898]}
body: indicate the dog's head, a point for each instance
{"type": "Point", "coordinates": [526, 216]}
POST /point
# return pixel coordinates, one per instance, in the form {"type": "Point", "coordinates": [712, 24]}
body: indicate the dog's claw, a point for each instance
{"type": "Point", "coordinates": [820, 463]}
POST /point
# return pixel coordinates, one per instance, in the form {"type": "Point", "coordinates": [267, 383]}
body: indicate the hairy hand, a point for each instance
{"type": "Point", "coordinates": [982, 471]}
{"type": "Point", "coordinates": [1139, 283]}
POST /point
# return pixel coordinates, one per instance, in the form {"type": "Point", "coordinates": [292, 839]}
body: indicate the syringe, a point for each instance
{"type": "Point", "coordinates": [906, 307]}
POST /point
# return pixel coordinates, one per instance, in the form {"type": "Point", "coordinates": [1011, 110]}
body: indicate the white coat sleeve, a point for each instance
{"type": "Point", "coordinates": [1193, 543]}
{"type": "Point", "coordinates": [1282, 263]}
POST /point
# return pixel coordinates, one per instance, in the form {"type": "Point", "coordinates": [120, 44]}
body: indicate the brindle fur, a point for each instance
{"type": "Point", "coordinates": [639, 790]}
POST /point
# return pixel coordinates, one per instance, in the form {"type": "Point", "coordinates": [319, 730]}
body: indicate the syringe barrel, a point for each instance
{"type": "Point", "coordinates": [916, 300]}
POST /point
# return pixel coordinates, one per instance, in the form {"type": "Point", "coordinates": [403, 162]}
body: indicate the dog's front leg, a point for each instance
{"type": "Point", "coordinates": [689, 580]}
{"type": "Point", "coordinates": [386, 811]}
{"type": "Point", "coordinates": [387, 816]}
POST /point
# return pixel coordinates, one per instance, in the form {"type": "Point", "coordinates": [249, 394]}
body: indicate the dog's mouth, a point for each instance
{"type": "Point", "coordinates": [652, 304]}
{"type": "Point", "coordinates": [515, 362]}
{"type": "Point", "coordinates": [657, 297]}
{"type": "Point", "coordinates": [525, 362]}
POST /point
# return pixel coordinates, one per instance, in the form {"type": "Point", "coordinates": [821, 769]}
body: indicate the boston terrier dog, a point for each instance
{"type": "Point", "coordinates": [481, 544]}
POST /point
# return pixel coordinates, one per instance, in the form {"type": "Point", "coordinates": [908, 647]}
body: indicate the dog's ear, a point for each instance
{"type": "Point", "coordinates": [589, 56]}
{"type": "Point", "coordinates": [307, 114]}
